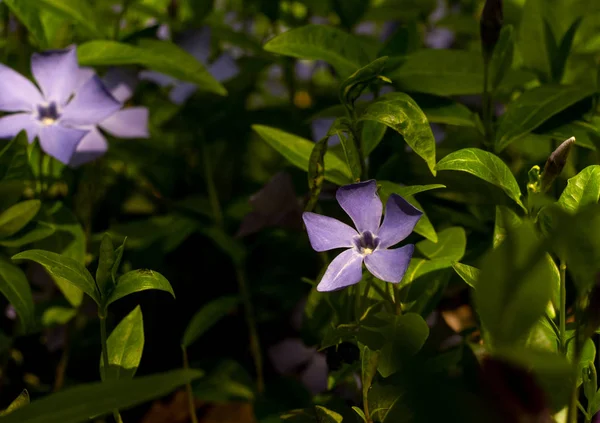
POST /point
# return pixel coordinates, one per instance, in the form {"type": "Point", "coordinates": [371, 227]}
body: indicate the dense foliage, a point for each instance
{"type": "Point", "coordinates": [308, 211]}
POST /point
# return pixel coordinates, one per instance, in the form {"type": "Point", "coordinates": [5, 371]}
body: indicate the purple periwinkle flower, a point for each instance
{"type": "Point", "coordinates": [57, 113]}
{"type": "Point", "coordinates": [371, 239]}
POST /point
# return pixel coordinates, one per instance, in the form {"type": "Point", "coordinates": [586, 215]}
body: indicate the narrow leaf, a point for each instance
{"type": "Point", "coordinates": [29, 15]}
{"type": "Point", "coordinates": [502, 58]}
{"type": "Point", "coordinates": [16, 217]}
{"type": "Point", "coordinates": [15, 287]}
{"type": "Point", "coordinates": [469, 274]}
{"type": "Point", "coordinates": [136, 281]}
{"type": "Point", "coordinates": [33, 232]}
{"type": "Point", "coordinates": [77, 11]}
{"type": "Point", "coordinates": [106, 261]}
{"type": "Point", "coordinates": [316, 172]}
{"type": "Point", "coordinates": [125, 346]}
{"type": "Point", "coordinates": [21, 401]}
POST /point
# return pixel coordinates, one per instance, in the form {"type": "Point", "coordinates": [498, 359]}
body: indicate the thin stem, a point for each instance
{"type": "Point", "coordinates": [211, 187]}
{"type": "Point", "coordinates": [103, 339]}
{"type": "Point", "coordinates": [563, 307]}
{"type": "Point", "coordinates": [251, 322]}
{"type": "Point", "coordinates": [188, 387]}
{"type": "Point", "coordinates": [365, 296]}
{"type": "Point", "coordinates": [61, 369]}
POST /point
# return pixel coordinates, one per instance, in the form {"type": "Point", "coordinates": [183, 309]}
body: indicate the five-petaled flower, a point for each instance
{"type": "Point", "coordinates": [60, 112]}
{"type": "Point", "coordinates": [370, 241]}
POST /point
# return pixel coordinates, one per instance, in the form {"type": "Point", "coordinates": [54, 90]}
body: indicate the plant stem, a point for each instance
{"type": "Point", "coordinates": [59, 378]}
{"type": "Point", "coordinates": [103, 338]}
{"type": "Point", "coordinates": [188, 388]}
{"type": "Point", "coordinates": [365, 296]}
{"type": "Point", "coordinates": [211, 187]}
{"type": "Point", "coordinates": [251, 322]}
{"type": "Point", "coordinates": [563, 307]}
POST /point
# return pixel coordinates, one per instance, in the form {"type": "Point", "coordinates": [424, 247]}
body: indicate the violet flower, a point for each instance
{"type": "Point", "coordinates": [369, 242]}
{"type": "Point", "coordinates": [58, 112]}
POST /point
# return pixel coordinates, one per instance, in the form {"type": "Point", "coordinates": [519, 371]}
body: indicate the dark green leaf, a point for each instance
{"type": "Point", "coordinates": [125, 346]}
{"type": "Point", "coordinates": [386, 188]}
{"type": "Point", "coordinates": [504, 217]}
{"type": "Point", "coordinates": [341, 50]}
{"type": "Point", "coordinates": [531, 40]}
{"type": "Point", "coordinates": [106, 261]}
{"type": "Point", "coordinates": [469, 274]}
{"type": "Point", "coordinates": [207, 317]}
{"type": "Point", "coordinates": [136, 281]}
{"type": "Point", "coordinates": [404, 338]}
{"type": "Point", "coordinates": [227, 381]}
{"type": "Point", "coordinates": [86, 401]}
{"type": "Point", "coordinates": [317, 414]}
{"type": "Point", "coordinates": [16, 217]}
{"type": "Point", "coordinates": [29, 15]}
{"type": "Point", "coordinates": [424, 226]}
{"type": "Point", "coordinates": [14, 161]}
{"type": "Point", "coordinates": [534, 107]}
{"type": "Point", "coordinates": [440, 72]}
{"type": "Point", "coordinates": [297, 150]}
{"type": "Point", "coordinates": [21, 401]}
{"type": "Point", "coordinates": [15, 287]}
{"type": "Point", "coordinates": [316, 172]}
{"type": "Point", "coordinates": [350, 11]}
{"type": "Point", "coordinates": [79, 12]}
{"type": "Point", "coordinates": [352, 87]}
{"type": "Point", "coordinates": [63, 268]}
{"type": "Point", "coordinates": [33, 232]}
{"type": "Point", "coordinates": [351, 151]}
{"type": "Point", "coordinates": [371, 135]}
{"type": "Point", "coordinates": [502, 57]}
{"type": "Point", "coordinates": [486, 166]}
{"type": "Point", "coordinates": [369, 361]}
{"type": "Point", "coordinates": [450, 246]}
{"type": "Point", "coordinates": [118, 257]}
{"type": "Point", "coordinates": [582, 189]}
{"type": "Point", "coordinates": [447, 112]}
{"type": "Point", "coordinates": [161, 56]}
{"type": "Point", "coordinates": [402, 114]}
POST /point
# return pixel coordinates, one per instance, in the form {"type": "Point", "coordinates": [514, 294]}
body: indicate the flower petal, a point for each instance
{"type": "Point", "coordinates": [92, 146]}
{"type": "Point", "coordinates": [315, 376]}
{"type": "Point", "coordinates": [56, 73]}
{"type": "Point", "coordinates": [289, 354]}
{"type": "Point", "coordinates": [197, 43]}
{"type": "Point", "coordinates": [344, 270]}
{"type": "Point", "coordinates": [11, 125]}
{"type": "Point", "coordinates": [91, 104]}
{"type": "Point", "coordinates": [326, 233]}
{"type": "Point", "coordinates": [83, 75]}
{"type": "Point", "coordinates": [17, 93]}
{"type": "Point", "coordinates": [59, 141]}
{"type": "Point", "coordinates": [362, 204]}
{"type": "Point", "coordinates": [131, 122]}
{"type": "Point", "coordinates": [120, 83]}
{"type": "Point", "coordinates": [399, 221]}
{"type": "Point", "coordinates": [181, 92]}
{"type": "Point", "coordinates": [224, 68]}
{"type": "Point", "coordinates": [389, 265]}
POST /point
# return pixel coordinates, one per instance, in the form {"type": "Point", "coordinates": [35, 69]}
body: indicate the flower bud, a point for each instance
{"type": "Point", "coordinates": [555, 163]}
{"type": "Point", "coordinates": [490, 25]}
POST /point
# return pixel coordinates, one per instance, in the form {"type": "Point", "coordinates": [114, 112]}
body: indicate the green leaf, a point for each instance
{"type": "Point", "coordinates": [402, 114]}
{"type": "Point", "coordinates": [419, 267]}
{"type": "Point", "coordinates": [352, 87]}
{"type": "Point", "coordinates": [15, 287]}
{"type": "Point", "coordinates": [504, 217]}
{"type": "Point", "coordinates": [369, 362]}
{"type": "Point", "coordinates": [371, 135]}
{"type": "Point", "coordinates": [29, 15]}
{"type": "Point", "coordinates": [136, 281]}
{"type": "Point", "coordinates": [516, 286]}
{"type": "Point", "coordinates": [16, 217]}
{"type": "Point", "coordinates": [469, 274]}
{"type": "Point", "coordinates": [502, 57]}
{"type": "Point", "coordinates": [440, 72]}
{"type": "Point", "coordinates": [424, 226]}
{"type": "Point", "coordinates": [118, 257]}
{"type": "Point", "coordinates": [227, 381]}
{"type": "Point", "coordinates": [14, 160]}
{"type": "Point", "coordinates": [531, 40]}
{"type": "Point", "coordinates": [404, 338]}
{"type": "Point", "coordinates": [582, 189]}
{"type": "Point", "coordinates": [316, 172]}
{"type": "Point", "coordinates": [63, 268]}
{"type": "Point", "coordinates": [340, 49]}
{"type": "Point", "coordinates": [21, 401]}
{"type": "Point", "coordinates": [77, 11]}
{"type": "Point", "coordinates": [125, 346]}
{"type": "Point", "coordinates": [54, 316]}
{"type": "Point", "coordinates": [86, 401]}
{"type": "Point", "coordinates": [298, 150]}
{"type": "Point", "coordinates": [350, 11]}
{"type": "Point", "coordinates": [207, 317]}
{"type": "Point", "coordinates": [317, 414]}
{"type": "Point", "coordinates": [486, 166]}
{"type": "Point", "coordinates": [534, 107]}
{"type": "Point", "coordinates": [106, 261]}
{"type": "Point", "coordinates": [562, 51]}
{"type": "Point", "coordinates": [351, 153]}
{"type": "Point", "coordinates": [161, 56]}
{"type": "Point", "coordinates": [35, 231]}
{"type": "Point", "coordinates": [450, 246]}
{"type": "Point", "coordinates": [447, 112]}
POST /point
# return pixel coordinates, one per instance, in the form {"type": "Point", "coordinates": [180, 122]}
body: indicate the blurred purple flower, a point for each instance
{"type": "Point", "coordinates": [60, 111]}
{"type": "Point", "coordinates": [196, 43]}
{"type": "Point", "coordinates": [439, 38]}
{"type": "Point", "coordinates": [130, 122]}
{"type": "Point", "coordinates": [369, 242]}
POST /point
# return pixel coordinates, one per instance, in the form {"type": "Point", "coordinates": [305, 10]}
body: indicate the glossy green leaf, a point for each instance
{"type": "Point", "coordinates": [63, 268]}
{"type": "Point", "coordinates": [125, 345]}
{"type": "Point", "coordinates": [34, 231]}
{"type": "Point", "coordinates": [208, 316]}
{"type": "Point", "coordinates": [54, 316]}
{"type": "Point", "coordinates": [16, 217]}
{"type": "Point", "coordinates": [352, 87]}
{"type": "Point", "coordinates": [486, 166]}
{"type": "Point", "coordinates": [106, 261]}
{"type": "Point", "coordinates": [404, 338]}
{"type": "Point", "coordinates": [402, 114]}
{"type": "Point", "coordinates": [372, 134]}
{"type": "Point", "coordinates": [29, 15]}
{"type": "Point", "coordinates": [582, 189]}
{"type": "Point", "coordinates": [440, 72]}
{"type": "Point", "coordinates": [297, 150]}
{"type": "Point", "coordinates": [515, 286]}
{"type": "Point", "coordinates": [469, 274]}
{"type": "Point", "coordinates": [79, 12]}
{"type": "Point", "coordinates": [161, 56]}
{"type": "Point", "coordinates": [450, 246]}
{"type": "Point", "coordinates": [136, 281]}
{"type": "Point", "coordinates": [340, 49]}
{"type": "Point", "coordinates": [86, 401]}
{"type": "Point", "coordinates": [420, 267]}
{"type": "Point", "coordinates": [21, 401]}
{"type": "Point", "coordinates": [534, 107]}
{"type": "Point", "coordinates": [15, 287]}
{"type": "Point", "coordinates": [502, 57]}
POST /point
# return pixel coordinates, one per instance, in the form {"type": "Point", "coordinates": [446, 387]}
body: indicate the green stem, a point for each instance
{"type": "Point", "coordinates": [103, 338]}
{"type": "Point", "coordinates": [365, 296]}
{"type": "Point", "coordinates": [211, 187]}
{"type": "Point", "coordinates": [61, 369]}
{"type": "Point", "coordinates": [563, 307]}
{"type": "Point", "coordinates": [251, 322]}
{"type": "Point", "coordinates": [188, 388]}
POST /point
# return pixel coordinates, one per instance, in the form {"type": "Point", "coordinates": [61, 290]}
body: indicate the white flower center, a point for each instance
{"type": "Point", "coordinates": [366, 243]}
{"type": "Point", "coordinates": [48, 114]}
